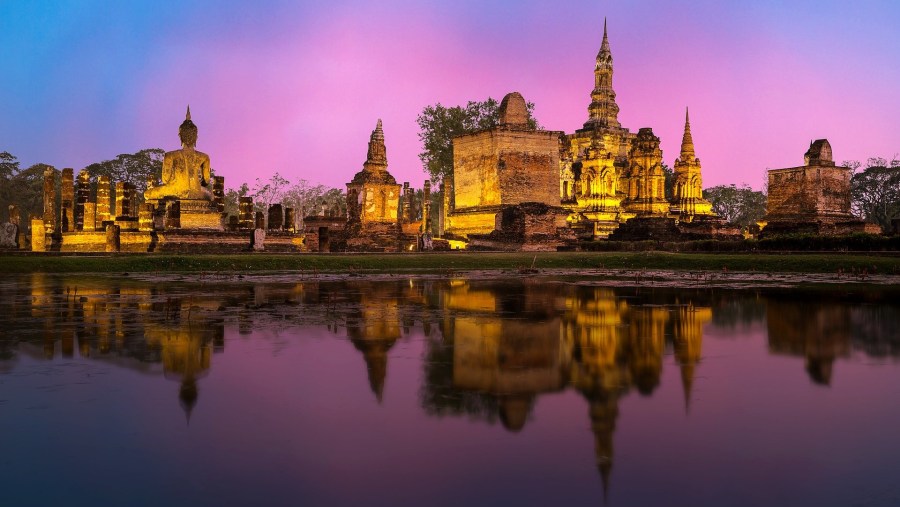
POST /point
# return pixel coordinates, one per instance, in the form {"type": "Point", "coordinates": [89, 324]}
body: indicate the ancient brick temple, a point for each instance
{"type": "Point", "coordinates": [687, 198]}
{"type": "Point", "coordinates": [373, 204]}
{"type": "Point", "coordinates": [812, 198]}
{"type": "Point", "coordinates": [603, 176]}
{"type": "Point", "coordinates": [505, 181]}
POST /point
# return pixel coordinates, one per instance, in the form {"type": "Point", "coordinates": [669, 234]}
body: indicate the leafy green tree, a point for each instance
{"type": "Point", "coordinates": [741, 206]}
{"type": "Point", "coordinates": [9, 167]}
{"type": "Point", "coordinates": [134, 168]}
{"type": "Point", "coordinates": [26, 190]}
{"type": "Point", "coordinates": [232, 197]}
{"type": "Point", "coordinates": [875, 191]}
{"type": "Point", "coordinates": [438, 125]}
{"type": "Point", "coordinates": [266, 193]}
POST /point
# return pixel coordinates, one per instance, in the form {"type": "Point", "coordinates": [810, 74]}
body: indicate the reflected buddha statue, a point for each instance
{"type": "Point", "coordinates": [185, 172]}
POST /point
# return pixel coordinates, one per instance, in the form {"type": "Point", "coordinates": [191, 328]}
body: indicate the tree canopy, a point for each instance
{"type": "Point", "coordinates": [875, 191]}
{"type": "Point", "coordinates": [438, 125]}
{"type": "Point", "coordinates": [741, 206]}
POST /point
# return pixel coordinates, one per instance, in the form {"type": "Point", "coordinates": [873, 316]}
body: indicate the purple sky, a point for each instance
{"type": "Point", "coordinates": [296, 87]}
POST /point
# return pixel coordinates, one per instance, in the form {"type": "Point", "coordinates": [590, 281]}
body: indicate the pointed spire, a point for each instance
{"type": "Point", "coordinates": [187, 116]}
{"type": "Point", "coordinates": [378, 133]}
{"type": "Point", "coordinates": [604, 46]}
{"type": "Point", "coordinates": [377, 155]}
{"type": "Point", "coordinates": [687, 142]}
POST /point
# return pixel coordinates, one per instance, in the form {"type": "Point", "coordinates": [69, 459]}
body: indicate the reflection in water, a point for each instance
{"type": "Point", "coordinates": [492, 347]}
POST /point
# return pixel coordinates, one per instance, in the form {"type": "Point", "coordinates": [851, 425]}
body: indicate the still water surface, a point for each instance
{"type": "Point", "coordinates": [444, 392]}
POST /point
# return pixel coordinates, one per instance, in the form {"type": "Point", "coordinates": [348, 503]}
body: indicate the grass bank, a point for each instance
{"type": "Point", "coordinates": [442, 262]}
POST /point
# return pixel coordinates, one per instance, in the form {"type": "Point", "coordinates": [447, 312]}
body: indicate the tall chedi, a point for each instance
{"type": "Point", "coordinates": [603, 110]}
{"type": "Point", "coordinates": [595, 156]}
{"type": "Point", "coordinates": [687, 199]}
{"type": "Point", "coordinates": [373, 199]}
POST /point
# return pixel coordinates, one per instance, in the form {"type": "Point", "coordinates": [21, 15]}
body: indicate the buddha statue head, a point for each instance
{"type": "Point", "coordinates": [187, 132]}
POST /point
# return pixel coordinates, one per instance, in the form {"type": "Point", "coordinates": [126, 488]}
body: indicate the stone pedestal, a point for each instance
{"type": "Point", "coordinates": [199, 214]}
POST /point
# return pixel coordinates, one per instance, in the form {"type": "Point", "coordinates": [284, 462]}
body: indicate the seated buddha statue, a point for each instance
{"type": "Point", "coordinates": [185, 172]}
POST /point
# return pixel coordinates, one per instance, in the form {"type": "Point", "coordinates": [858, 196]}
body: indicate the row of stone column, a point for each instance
{"type": "Point", "coordinates": [280, 218]}
{"type": "Point", "coordinates": [407, 211]}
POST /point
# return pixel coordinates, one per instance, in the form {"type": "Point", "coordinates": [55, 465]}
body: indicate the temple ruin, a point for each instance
{"type": "Point", "coordinates": [812, 198]}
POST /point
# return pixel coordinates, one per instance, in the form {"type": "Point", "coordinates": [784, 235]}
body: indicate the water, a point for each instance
{"type": "Point", "coordinates": [444, 392]}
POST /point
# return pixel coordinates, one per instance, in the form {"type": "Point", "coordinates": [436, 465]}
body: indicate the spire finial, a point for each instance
{"type": "Point", "coordinates": [604, 27]}
{"type": "Point", "coordinates": [687, 142]}
{"type": "Point", "coordinates": [187, 116]}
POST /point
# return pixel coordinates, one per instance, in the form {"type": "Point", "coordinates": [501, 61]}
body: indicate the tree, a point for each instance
{"type": "Point", "coordinates": [26, 190]}
{"type": "Point", "coordinates": [740, 206]}
{"type": "Point", "coordinates": [875, 192]}
{"type": "Point", "coordinates": [232, 199]}
{"type": "Point", "coordinates": [439, 125]}
{"type": "Point", "coordinates": [9, 167]}
{"type": "Point", "coordinates": [266, 194]}
{"type": "Point", "coordinates": [134, 168]}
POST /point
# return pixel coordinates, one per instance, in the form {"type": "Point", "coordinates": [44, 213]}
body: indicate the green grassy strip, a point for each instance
{"type": "Point", "coordinates": [443, 262]}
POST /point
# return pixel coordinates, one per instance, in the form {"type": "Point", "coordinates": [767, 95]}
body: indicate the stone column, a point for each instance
{"type": "Point", "coordinates": [276, 217]}
{"type": "Point", "coordinates": [82, 196]}
{"type": "Point", "coordinates": [49, 200]}
{"type": "Point", "coordinates": [407, 205]}
{"type": "Point", "coordinates": [245, 213]}
{"type": "Point", "coordinates": [113, 243]}
{"type": "Point", "coordinates": [426, 206]}
{"type": "Point", "coordinates": [289, 220]}
{"type": "Point", "coordinates": [38, 235]}
{"type": "Point", "coordinates": [145, 217]}
{"type": "Point", "coordinates": [218, 185]}
{"type": "Point", "coordinates": [260, 220]}
{"type": "Point", "coordinates": [103, 197]}
{"type": "Point", "coordinates": [125, 200]}
{"type": "Point", "coordinates": [445, 209]}
{"type": "Point", "coordinates": [90, 216]}
{"type": "Point", "coordinates": [67, 209]}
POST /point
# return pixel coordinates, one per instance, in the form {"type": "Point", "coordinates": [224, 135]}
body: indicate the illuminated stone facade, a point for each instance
{"type": "Point", "coordinates": [812, 198]}
{"type": "Point", "coordinates": [508, 165]}
{"type": "Point", "coordinates": [186, 176]}
{"type": "Point", "coordinates": [595, 157]}
{"type": "Point", "coordinates": [182, 213]}
{"type": "Point", "coordinates": [605, 176]}
{"type": "Point", "coordinates": [687, 198]}
{"type": "Point", "coordinates": [373, 203]}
